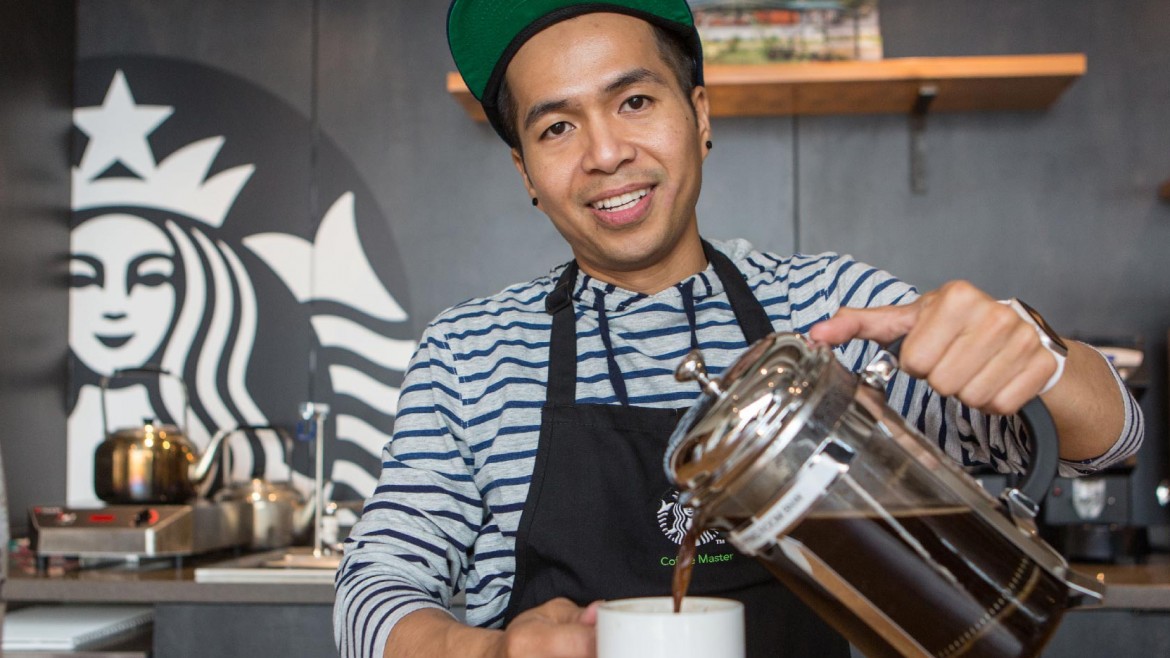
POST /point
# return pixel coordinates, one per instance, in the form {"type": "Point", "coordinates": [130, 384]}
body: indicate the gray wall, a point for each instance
{"type": "Point", "coordinates": [36, 63]}
{"type": "Point", "coordinates": [1058, 207]}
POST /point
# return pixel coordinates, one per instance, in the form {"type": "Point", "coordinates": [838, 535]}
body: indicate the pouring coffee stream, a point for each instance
{"type": "Point", "coordinates": [803, 466]}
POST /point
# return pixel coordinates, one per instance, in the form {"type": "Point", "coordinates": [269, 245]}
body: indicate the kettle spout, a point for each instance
{"type": "Point", "coordinates": [198, 472]}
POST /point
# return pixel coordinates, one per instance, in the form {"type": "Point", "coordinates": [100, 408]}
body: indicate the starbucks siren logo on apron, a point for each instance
{"type": "Point", "coordinates": [675, 520]}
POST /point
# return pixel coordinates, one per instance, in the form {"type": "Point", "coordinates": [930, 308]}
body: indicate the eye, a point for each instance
{"type": "Point", "coordinates": [151, 270]}
{"type": "Point", "coordinates": [85, 271]}
{"type": "Point", "coordinates": [556, 130]}
{"type": "Point", "coordinates": [152, 280]}
{"type": "Point", "coordinates": [637, 103]}
{"type": "Point", "coordinates": [79, 280]}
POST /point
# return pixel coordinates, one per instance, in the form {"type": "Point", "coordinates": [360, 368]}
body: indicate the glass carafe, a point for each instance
{"type": "Point", "coordinates": [803, 466]}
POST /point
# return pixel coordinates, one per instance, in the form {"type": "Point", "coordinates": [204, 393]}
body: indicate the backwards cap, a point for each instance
{"type": "Point", "coordinates": [484, 35]}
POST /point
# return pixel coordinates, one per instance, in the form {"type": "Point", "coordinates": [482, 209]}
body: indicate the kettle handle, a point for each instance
{"type": "Point", "coordinates": [1045, 450]}
{"type": "Point", "coordinates": [286, 444]}
{"type": "Point", "coordinates": [144, 370]}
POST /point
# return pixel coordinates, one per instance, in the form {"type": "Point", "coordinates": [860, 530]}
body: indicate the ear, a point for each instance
{"type": "Point", "coordinates": [518, 162]}
{"type": "Point", "coordinates": [702, 116]}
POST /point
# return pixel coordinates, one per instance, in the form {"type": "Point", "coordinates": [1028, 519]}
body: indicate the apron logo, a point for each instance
{"type": "Point", "coordinates": [675, 520]}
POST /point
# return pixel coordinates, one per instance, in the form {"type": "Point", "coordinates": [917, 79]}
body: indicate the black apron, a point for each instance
{"type": "Point", "coordinates": [600, 514]}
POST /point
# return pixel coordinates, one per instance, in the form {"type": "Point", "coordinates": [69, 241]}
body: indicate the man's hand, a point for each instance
{"type": "Point", "coordinates": [961, 341]}
{"type": "Point", "coordinates": [967, 345]}
{"type": "Point", "coordinates": [556, 629]}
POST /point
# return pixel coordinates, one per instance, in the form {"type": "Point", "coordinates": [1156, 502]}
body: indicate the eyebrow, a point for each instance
{"type": "Point", "coordinates": [631, 78]}
{"type": "Point", "coordinates": [541, 109]}
{"type": "Point", "coordinates": [623, 81]}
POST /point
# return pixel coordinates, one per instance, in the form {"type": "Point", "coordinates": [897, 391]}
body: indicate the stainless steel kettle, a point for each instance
{"type": "Point", "coordinates": [803, 466]}
{"type": "Point", "coordinates": [152, 463]}
{"type": "Point", "coordinates": [280, 514]}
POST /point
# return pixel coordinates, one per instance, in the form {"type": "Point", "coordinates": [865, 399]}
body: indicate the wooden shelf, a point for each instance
{"type": "Point", "coordinates": [961, 84]}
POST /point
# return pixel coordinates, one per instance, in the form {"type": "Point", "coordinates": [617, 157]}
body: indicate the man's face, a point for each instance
{"type": "Point", "coordinates": [612, 147]}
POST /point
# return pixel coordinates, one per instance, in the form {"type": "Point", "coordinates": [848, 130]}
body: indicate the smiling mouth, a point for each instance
{"type": "Point", "coordinates": [115, 341]}
{"type": "Point", "coordinates": [621, 201]}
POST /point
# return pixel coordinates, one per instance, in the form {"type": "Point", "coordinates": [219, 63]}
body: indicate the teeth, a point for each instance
{"type": "Point", "coordinates": [621, 201]}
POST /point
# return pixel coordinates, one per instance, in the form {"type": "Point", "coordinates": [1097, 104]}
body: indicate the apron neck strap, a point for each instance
{"type": "Point", "coordinates": [562, 349]}
{"type": "Point", "coordinates": [749, 312]}
{"type": "Point", "coordinates": [562, 344]}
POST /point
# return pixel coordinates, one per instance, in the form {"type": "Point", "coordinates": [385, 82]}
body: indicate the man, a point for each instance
{"type": "Point", "coordinates": [525, 468]}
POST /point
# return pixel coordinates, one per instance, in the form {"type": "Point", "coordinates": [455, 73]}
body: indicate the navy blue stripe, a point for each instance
{"type": "Point", "coordinates": [494, 555]}
{"type": "Point", "coordinates": [508, 360]}
{"type": "Point", "coordinates": [845, 301]}
{"type": "Point", "coordinates": [540, 327]}
{"type": "Point", "coordinates": [422, 365]}
{"type": "Point", "coordinates": [413, 456]}
{"type": "Point", "coordinates": [423, 489]}
{"type": "Point", "coordinates": [413, 511]}
{"type": "Point", "coordinates": [506, 482]}
{"type": "Point", "coordinates": [505, 382]}
{"type": "Point", "coordinates": [488, 580]}
{"type": "Point", "coordinates": [423, 433]}
{"type": "Point", "coordinates": [510, 456]}
{"type": "Point", "coordinates": [409, 539]}
{"type": "Point", "coordinates": [509, 404]}
{"type": "Point", "coordinates": [491, 349]}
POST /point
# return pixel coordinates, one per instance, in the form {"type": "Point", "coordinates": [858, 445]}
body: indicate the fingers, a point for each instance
{"type": "Point", "coordinates": [959, 340]}
{"type": "Point", "coordinates": [877, 324]}
{"type": "Point", "coordinates": [556, 629]}
{"type": "Point", "coordinates": [957, 331]}
{"type": "Point", "coordinates": [561, 610]}
{"type": "Point", "coordinates": [996, 368]}
{"type": "Point", "coordinates": [970, 346]}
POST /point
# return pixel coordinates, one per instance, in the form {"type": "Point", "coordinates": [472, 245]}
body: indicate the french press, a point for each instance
{"type": "Point", "coordinates": [804, 467]}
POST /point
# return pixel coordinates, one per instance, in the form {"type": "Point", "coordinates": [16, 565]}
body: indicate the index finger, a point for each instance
{"type": "Point", "coordinates": [884, 324]}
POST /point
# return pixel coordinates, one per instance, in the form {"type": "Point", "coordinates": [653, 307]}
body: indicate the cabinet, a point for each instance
{"type": "Point", "coordinates": [192, 619]}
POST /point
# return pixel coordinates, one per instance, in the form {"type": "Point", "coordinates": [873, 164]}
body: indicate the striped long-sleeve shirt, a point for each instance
{"type": "Point", "coordinates": [455, 476]}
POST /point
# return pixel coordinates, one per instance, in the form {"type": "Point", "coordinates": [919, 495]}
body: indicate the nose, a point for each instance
{"type": "Point", "coordinates": [114, 316]}
{"type": "Point", "coordinates": [608, 149]}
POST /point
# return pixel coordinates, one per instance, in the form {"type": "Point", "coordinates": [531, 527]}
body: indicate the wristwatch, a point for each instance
{"type": "Point", "coordinates": [1048, 338]}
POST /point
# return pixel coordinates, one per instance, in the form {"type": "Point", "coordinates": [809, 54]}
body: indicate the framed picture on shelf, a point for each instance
{"type": "Point", "coordinates": [763, 31]}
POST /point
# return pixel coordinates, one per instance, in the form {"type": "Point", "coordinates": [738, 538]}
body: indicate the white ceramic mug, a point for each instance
{"type": "Point", "coordinates": [649, 628]}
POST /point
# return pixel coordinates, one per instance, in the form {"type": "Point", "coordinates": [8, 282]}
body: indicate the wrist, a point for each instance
{"type": "Point", "coordinates": [434, 632]}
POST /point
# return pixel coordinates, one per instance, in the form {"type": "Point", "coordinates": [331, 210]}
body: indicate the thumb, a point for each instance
{"type": "Point", "coordinates": [883, 325]}
{"type": "Point", "coordinates": [589, 615]}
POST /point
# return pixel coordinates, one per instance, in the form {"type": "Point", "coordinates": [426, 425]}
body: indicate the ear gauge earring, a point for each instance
{"type": "Point", "coordinates": [535, 201]}
{"type": "Point", "coordinates": [709, 144]}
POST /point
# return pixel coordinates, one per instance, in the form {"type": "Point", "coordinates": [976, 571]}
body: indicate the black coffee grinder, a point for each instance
{"type": "Point", "coordinates": [1091, 518]}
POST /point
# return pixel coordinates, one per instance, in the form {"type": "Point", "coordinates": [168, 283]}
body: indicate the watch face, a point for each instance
{"type": "Point", "coordinates": [1044, 326]}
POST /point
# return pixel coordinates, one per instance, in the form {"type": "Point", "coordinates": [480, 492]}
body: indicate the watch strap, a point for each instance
{"type": "Point", "coordinates": [1050, 343]}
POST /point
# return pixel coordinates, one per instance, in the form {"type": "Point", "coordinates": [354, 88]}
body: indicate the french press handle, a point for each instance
{"type": "Point", "coordinates": [1045, 445]}
{"type": "Point", "coordinates": [147, 369]}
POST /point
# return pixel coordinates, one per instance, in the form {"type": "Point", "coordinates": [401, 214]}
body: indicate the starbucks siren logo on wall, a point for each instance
{"type": "Point", "coordinates": [256, 305]}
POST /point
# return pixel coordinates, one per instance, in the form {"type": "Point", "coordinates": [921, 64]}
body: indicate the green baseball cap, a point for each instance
{"type": "Point", "coordinates": [484, 35]}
